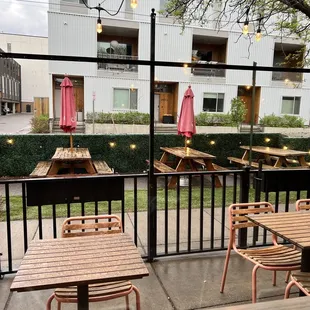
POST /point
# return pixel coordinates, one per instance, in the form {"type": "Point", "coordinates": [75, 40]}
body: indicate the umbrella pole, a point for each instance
{"type": "Point", "coordinates": [185, 142]}
{"type": "Point", "coordinates": [71, 142]}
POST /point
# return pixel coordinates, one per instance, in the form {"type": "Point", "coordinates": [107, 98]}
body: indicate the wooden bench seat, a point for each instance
{"type": "Point", "coordinates": [41, 170]}
{"type": "Point", "coordinates": [102, 167]}
{"type": "Point", "coordinates": [215, 166]}
{"type": "Point", "coordinates": [161, 167]}
{"type": "Point", "coordinates": [242, 162]}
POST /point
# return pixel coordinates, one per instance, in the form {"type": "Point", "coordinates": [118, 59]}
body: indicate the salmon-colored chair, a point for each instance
{"type": "Point", "coordinates": [85, 226]}
{"type": "Point", "coordinates": [276, 257]}
{"type": "Point", "coordinates": [300, 279]}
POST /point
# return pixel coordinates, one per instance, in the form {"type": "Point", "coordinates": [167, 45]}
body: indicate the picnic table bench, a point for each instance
{"type": "Point", "coordinates": [66, 162]}
{"type": "Point", "coordinates": [243, 162]}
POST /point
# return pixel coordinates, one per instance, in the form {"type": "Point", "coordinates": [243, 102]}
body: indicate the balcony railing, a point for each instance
{"type": "Point", "coordinates": [208, 72]}
{"type": "Point", "coordinates": [287, 76]}
{"type": "Point", "coordinates": [117, 67]}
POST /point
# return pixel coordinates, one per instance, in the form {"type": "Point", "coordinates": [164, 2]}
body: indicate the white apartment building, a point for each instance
{"type": "Point", "coordinates": [34, 74]}
{"type": "Point", "coordinates": [72, 31]}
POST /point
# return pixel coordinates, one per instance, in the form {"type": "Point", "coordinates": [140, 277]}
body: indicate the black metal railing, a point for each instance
{"type": "Point", "coordinates": [208, 72]}
{"type": "Point", "coordinates": [115, 66]}
{"type": "Point", "coordinates": [190, 218]}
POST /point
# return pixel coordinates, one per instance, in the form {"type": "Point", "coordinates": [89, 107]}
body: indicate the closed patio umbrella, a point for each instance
{"type": "Point", "coordinates": [68, 109]}
{"type": "Point", "coordinates": [187, 123]}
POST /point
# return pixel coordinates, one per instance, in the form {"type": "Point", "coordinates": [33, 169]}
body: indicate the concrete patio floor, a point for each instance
{"type": "Point", "coordinates": [181, 283]}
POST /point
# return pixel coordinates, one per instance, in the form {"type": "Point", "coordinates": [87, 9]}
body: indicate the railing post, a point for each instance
{"type": "Point", "coordinates": [152, 190]}
{"type": "Point", "coordinates": [244, 197]}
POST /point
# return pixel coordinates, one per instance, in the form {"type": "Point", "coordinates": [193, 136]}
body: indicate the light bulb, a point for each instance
{"type": "Point", "coordinates": [134, 4]}
{"type": "Point", "coordinates": [258, 35]}
{"type": "Point", "coordinates": [99, 26]}
{"type": "Point", "coordinates": [245, 29]}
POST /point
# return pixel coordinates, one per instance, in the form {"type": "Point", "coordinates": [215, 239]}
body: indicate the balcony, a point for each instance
{"type": "Point", "coordinates": [287, 76]}
{"type": "Point", "coordinates": [208, 72]}
{"type": "Point", "coordinates": [117, 67]}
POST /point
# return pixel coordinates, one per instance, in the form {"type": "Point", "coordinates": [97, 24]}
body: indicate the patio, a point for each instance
{"type": "Point", "coordinates": [183, 282]}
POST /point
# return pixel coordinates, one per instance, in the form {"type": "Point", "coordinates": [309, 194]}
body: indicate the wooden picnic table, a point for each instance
{"type": "Point", "coordinates": [291, 226]}
{"type": "Point", "coordinates": [79, 261]}
{"type": "Point", "coordinates": [272, 157]}
{"type": "Point", "coordinates": [185, 157]}
{"type": "Point", "coordinates": [70, 160]}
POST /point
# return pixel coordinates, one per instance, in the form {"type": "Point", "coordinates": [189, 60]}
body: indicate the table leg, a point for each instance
{"type": "Point", "coordinates": [245, 155]}
{"type": "Point", "coordinates": [82, 292]}
{"type": "Point", "coordinates": [305, 264]}
{"type": "Point", "coordinates": [210, 167]}
{"type": "Point", "coordinates": [180, 167]}
{"type": "Point", "coordinates": [302, 161]}
{"type": "Point", "coordinates": [164, 157]}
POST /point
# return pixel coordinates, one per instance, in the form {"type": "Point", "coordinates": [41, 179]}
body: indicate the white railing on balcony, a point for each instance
{"type": "Point", "coordinates": [208, 72]}
{"type": "Point", "coordinates": [117, 67]}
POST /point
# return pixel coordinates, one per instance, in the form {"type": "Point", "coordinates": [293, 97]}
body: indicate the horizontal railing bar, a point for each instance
{"type": "Point", "coordinates": [147, 62]}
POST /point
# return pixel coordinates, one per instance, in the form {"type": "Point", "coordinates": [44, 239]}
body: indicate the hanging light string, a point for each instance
{"type": "Point", "coordinates": [99, 8]}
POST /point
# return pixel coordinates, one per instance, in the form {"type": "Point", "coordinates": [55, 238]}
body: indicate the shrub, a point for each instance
{"type": "Point", "coordinates": [288, 121]}
{"type": "Point", "coordinates": [119, 118]}
{"type": "Point", "coordinates": [238, 111]}
{"type": "Point", "coordinates": [39, 124]}
{"type": "Point", "coordinates": [213, 119]}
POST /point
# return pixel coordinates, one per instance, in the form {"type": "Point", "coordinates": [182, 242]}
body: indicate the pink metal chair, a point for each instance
{"type": "Point", "coordinates": [276, 257]}
{"type": "Point", "coordinates": [94, 225]}
{"type": "Point", "coordinates": [300, 279]}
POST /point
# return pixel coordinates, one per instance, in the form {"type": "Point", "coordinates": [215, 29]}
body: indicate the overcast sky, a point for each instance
{"type": "Point", "coordinates": [24, 17]}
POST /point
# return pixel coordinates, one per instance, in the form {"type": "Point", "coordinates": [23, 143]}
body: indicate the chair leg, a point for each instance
{"type": "Point", "coordinates": [287, 276]}
{"type": "Point", "coordinates": [58, 305]}
{"type": "Point", "coordinates": [274, 278]}
{"type": "Point", "coordinates": [137, 297]}
{"type": "Point", "coordinates": [254, 284]}
{"type": "Point", "coordinates": [127, 302]}
{"type": "Point", "coordinates": [288, 289]}
{"type": "Point", "coordinates": [225, 268]}
{"type": "Point", "coordinates": [49, 302]}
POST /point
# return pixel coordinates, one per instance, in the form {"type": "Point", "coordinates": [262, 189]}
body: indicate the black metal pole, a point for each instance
{"type": "Point", "coordinates": [152, 191]}
{"type": "Point", "coordinates": [252, 110]}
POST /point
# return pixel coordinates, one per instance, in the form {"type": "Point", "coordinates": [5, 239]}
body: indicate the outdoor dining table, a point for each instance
{"type": "Point", "coordinates": [188, 157]}
{"type": "Point", "coordinates": [70, 160]}
{"type": "Point", "coordinates": [79, 261]}
{"type": "Point", "coordinates": [291, 226]}
{"type": "Point", "coordinates": [282, 157]}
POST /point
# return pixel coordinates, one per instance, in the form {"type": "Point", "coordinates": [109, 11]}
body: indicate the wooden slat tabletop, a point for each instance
{"type": "Point", "coordinates": [274, 151]}
{"type": "Point", "coordinates": [291, 226]}
{"type": "Point", "coordinates": [76, 154]}
{"type": "Point", "coordinates": [63, 262]}
{"type": "Point", "coordinates": [187, 152]}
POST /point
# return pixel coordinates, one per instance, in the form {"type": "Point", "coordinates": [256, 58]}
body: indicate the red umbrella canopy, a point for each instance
{"type": "Point", "coordinates": [186, 123]}
{"type": "Point", "coordinates": [68, 110]}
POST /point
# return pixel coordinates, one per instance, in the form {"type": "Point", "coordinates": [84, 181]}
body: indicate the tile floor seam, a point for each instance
{"type": "Point", "coordinates": [163, 287]}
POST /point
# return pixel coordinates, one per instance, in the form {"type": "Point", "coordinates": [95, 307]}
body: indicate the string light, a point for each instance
{"type": "Point", "coordinates": [267, 140]}
{"type": "Point", "coordinates": [10, 141]}
{"type": "Point", "coordinates": [112, 144]}
{"type": "Point", "coordinates": [212, 142]}
{"type": "Point", "coordinates": [285, 147]}
{"type": "Point", "coordinates": [99, 25]}
{"type": "Point", "coordinates": [245, 29]}
{"type": "Point", "coordinates": [133, 4]}
{"type": "Point", "coordinates": [258, 35]}
{"type": "Point", "coordinates": [188, 141]}
{"type": "Point", "coordinates": [133, 146]}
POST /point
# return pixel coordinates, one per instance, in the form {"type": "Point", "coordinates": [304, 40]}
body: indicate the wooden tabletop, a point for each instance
{"type": "Point", "coordinates": [291, 226]}
{"type": "Point", "coordinates": [76, 154]}
{"type": "Point", "coordinates": [274, 151]}
{"type": "Point", "coordinates": [186, 153]}
{"type": "Point", "coordinates": [62, 262]}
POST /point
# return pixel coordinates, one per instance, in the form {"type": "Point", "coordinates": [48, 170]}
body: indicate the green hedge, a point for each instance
{"type": "Point", "coordinates": [213, 119]}
{"type": "Point", "coordinates": [119, 118]}
{"type": "Point", "coordinates": [21, 157]}
{"type": "Point", "coordinates": [287, 121]}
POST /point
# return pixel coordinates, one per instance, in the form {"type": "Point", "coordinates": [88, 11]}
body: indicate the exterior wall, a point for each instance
{"type": "Point", "coordinates": [104, 93]}
{"type": "Point", "coordinates": [34, 74]}
{"type": "Point", "coordinates": [74, 34]}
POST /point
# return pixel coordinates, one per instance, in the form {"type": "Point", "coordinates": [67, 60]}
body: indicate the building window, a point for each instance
{"type": "Point", "coordinates": [290, 105]}
{"type": "Point", "coordinates": [213, 102]}
{"type": "Point", "coordinates": [77, 1]}
{"type": "Point", "coordinates": [125, 99]}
